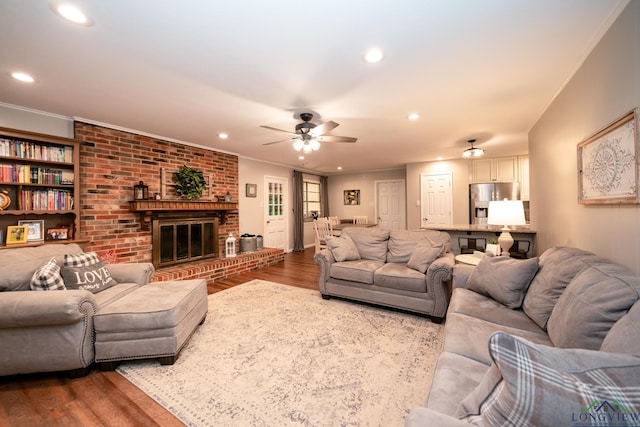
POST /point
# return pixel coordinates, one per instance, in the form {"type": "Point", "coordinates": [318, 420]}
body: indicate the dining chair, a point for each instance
{"type": "Point", "coordinates": [322, 228]}
{"type": "Point", "coordinates": [360, 220]}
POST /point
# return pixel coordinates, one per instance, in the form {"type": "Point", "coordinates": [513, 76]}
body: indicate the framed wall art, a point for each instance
{"type": "Point", "coordinates": [351, 197]}
{"type": "Point", "coordinates": [35, 229]}
{"type": "Point", "coordinates": [251, 190]}
{"type": "Point", "coordinates": [608, 164]}
{"type": "Point", "coordinates": [17, 234]}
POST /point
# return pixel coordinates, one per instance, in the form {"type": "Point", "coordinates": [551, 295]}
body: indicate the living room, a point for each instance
{"type": "Point", "coordinates": [604, 87]}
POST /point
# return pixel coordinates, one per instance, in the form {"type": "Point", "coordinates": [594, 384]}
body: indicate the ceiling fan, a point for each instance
{"type": "Point", "coordinates": [308, 136]}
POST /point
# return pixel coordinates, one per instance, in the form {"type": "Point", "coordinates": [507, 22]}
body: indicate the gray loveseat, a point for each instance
{"type": "Point", "coordinates": [53, 330]}
{"type": "Point", "coordinates": [404, 269]}
{"type": "Point", "coordinates": [547, 345]}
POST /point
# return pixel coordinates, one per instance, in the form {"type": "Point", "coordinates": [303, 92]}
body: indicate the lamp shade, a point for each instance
{"type": "Point", "coordinates": [506, 213]}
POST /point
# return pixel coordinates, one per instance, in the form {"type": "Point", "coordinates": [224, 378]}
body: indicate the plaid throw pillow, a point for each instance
{"type": "Point", "coordinates": [83, 259]}
{"type": "Point", "coordinates": [48, 277]}
{"type": "Point", "coordinates": [536, 385]}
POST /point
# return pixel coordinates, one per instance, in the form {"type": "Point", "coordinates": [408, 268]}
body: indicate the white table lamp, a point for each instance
{"type": "Point", "coordinates": [506, 213]}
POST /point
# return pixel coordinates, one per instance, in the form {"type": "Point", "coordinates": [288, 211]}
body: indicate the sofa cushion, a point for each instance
{"type": "Point", "coordinates": [399, 276]}
{"type": "Point", "coordinates": [425, 252]}
{"type": "Point", "coordinates": [558, 265]}
{"type": "Point", "coordinates": [592, 302]}
{"type": "Point", "coordinates": [371, 242]}
{"type": "Point", "coordinates": [93, 278]}
{"type": "Point", "coordinates": [47, 277]}
{"type": "Point", "coordinates": [624, 336]}
{"type": "Point", "coordinates": [342, 248]}
{"type": "Point", "coordinates": [403, 242]}
{"type": "Point", "coordinates": [18, 265]}
{"type": "Point", "coordinates": [81, 260]}
{"type": "Point", "coordinates": [536, 385]}
{"type": "Point", "coordinates": [504, 279]}
{"type": "Point", "coordinates": [360, 271]}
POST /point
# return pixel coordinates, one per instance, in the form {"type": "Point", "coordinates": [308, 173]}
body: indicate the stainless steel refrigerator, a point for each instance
{"type": "Point", "coordinates": [481, 194]}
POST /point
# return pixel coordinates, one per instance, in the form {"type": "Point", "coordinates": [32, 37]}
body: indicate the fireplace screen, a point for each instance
{"type": "Point", "coordinates": [182, 240]}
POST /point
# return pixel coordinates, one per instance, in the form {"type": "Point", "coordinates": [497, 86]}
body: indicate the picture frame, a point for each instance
{"type": "Point", "coordinates": [251, 190]}
{"type": "Point", "coordinates": [17, 234]}
{"type": "Point", "coordinates": [35, 229]}
{"type": "Point", "coordinates": [608, 164]}
{"type": "Point", "coordinates": [70, 229]}
{"type": "Point", "coordinates": [351, 197]}
{"type": "Point", "coordinates": [57, 234]}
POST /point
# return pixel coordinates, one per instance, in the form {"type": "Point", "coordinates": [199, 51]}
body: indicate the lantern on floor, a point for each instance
{"type": "Point", "coordinates": [140, 191]}
{"type": "Point", "coordinates": [230, 246]}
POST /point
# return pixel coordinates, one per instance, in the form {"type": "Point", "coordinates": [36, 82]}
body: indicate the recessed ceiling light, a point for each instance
{"type": "Point", "coordinates": [413, 116]}
{"type": "Point", "coordinates": [71, 13]}
{"type": "Point", "coordinates": [339, 168]}
{"type": "Point", "coordinates": [300, 157]}
{"type": "Point", "coordinates": [439, 158]}
{"type": "Point", "coordinates": [23, 77]}
{"type": "Point", "coordinates": [373, 56]}
{"type": "Point", "coordinates": [223, 135]}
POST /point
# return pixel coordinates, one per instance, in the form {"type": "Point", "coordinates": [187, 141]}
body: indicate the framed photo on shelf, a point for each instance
{"type": "Point", "coordinates": [70, 229]}
{"type": "Point", "coordinates": [351, 197]}
{"type": "Point", "coordinates": [57, 234]}
{"type": "Point", "coordinates": [17, 234]}
{"type": "Point", "coordinates": [252, 190]}
{"type": "Point", "coordinates": [35, 229]}
{"type": "Point", "coordinates": [607, 164]}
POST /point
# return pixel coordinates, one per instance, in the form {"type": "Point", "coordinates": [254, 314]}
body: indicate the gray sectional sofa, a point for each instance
{"type": "Point", "coordinates": [546, 342]}
{"type": "Point", "coordinates": [404, 269]}
{"type": "Point", "coordinates": [64, 319]}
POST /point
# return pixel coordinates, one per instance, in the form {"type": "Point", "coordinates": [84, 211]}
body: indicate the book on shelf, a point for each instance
{"type": "Point", "coordinates": [27, 174]}
{"type": "Point", "coordinates": [34, 151]}
{"type": "Point", "coordinates": [46, 200]}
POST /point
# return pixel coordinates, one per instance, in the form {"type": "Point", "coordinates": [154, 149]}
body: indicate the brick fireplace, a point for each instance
{"type": "Point", "coordinates": [112, 161]}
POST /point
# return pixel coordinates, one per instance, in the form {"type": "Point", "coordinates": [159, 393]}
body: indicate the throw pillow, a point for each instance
{"type": "Point", "coordinates": [47, 277]}
{"type": "Point", "coordinates": [424, 254]}
{"type": "Point", "coordinates": [504, 279]}
{"type": "Point", "coordinates": [342, 248]}
{"type": "Point", "coordinates": [80, 260]}
{"type": "Point", "coordinates": [94, 278]}
{"type": "Point", "coordinates": [624, 336]}
{"type": "Point", "coordinates": [535, 385]}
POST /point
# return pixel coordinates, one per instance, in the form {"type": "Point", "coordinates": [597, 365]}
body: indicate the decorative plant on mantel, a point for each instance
{"type": "Point", "coordinates": [190, 183]}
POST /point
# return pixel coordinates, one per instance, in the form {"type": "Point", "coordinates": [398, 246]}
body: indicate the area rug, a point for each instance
{"type": "Point", "coordinates": [276, 355]}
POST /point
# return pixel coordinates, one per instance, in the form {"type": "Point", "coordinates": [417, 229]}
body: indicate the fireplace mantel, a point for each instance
{"type": "Point", "coordinates": [148, 207]}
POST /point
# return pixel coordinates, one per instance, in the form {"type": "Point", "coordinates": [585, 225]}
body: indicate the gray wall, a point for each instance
{"type": "Point", "coordinates": [605, 87]}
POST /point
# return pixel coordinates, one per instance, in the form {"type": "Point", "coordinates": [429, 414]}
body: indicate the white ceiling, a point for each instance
{"type": "Point", "coordinates": [188, 70]}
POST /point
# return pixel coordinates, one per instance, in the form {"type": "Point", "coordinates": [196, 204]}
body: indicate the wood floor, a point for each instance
{"type": "Point", "coordinates": [106, 398]}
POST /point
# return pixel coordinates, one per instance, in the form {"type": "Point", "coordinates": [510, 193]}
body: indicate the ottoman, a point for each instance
{"type": "Point", "coordinates": [154, 321]}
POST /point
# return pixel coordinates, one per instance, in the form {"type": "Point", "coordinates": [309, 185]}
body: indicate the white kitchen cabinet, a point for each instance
{"type": "Point", "coordinates": [523, 176]}
{"type": "Point", "coordinates": [496, 169]}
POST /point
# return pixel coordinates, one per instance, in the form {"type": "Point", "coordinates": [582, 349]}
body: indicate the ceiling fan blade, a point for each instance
{"type": "Point", "coordinates": [279, 130]}
{"type": "Point", "coordinates": [323, 128]}
{"type": "Point", "coordinates": [332, 138]}
{"type": "Point", "coordinates": [282, 140]}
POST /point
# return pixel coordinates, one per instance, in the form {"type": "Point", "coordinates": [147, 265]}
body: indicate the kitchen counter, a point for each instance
{"type": "Point", "coordinates": [521, 229]}
{"type": "Point", "coordinates": [461, 232]}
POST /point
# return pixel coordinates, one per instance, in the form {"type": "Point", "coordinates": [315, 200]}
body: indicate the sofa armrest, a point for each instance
{"type": "Point", "coordinates": [461, 274]}
{"type": "Point", "coordinates": [45, 308]}
{"type": "Point", "coordinates": [439, 276]}
{"type": "Point", "coordinates": [424, 417]}
{"type": "Point", "coordinates": [135, 272]}
{"type": "Point", "coordinates": [324, 259]}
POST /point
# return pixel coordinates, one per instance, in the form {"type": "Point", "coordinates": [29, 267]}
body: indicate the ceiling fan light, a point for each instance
{"type": "Point", "coordinates": [315, 145]}
{"type": "Point", "coordinates": [298, 144]}
{"type": "Point", "coordinates": [306, 148]}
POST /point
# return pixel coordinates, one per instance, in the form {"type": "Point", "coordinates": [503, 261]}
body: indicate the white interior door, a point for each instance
{"type": "Point", "coordinates": [391, 205]}
{"type": "Point", "coordinates": [276, 213]}
{"type": "Point", "coordinates": [436, 199]}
